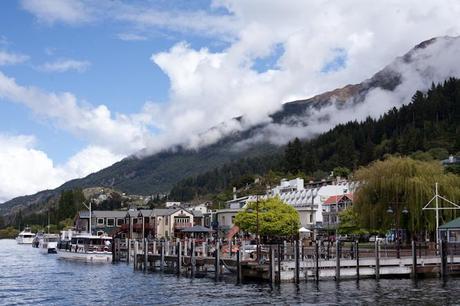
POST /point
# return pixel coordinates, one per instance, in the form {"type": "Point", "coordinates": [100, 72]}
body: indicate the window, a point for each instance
{"type": "Point", "coordinates": [120, 222]}
{"type": "Point", "coordinates": [233, 219]}
{"type": "Point", "coordinates": [311, 218]}
{"type": "Point", "coordinates": [166, 221]}
{"type": "Point", "coordinates": [135, 221]}
{"type": "Point", "coordinates": [146, 219]}
{"type": "Point", "coordinates": [100, 221]}
{"type": "Point", "coordinates": [110, 222]}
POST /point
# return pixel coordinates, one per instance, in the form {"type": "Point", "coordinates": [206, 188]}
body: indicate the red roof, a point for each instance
{"type": "Point", "coordinates": [337, 198]}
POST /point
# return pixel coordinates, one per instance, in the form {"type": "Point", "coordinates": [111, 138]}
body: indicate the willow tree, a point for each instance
{"type": "Point", "coordinates": [275, 218]}
{"type": "Point", "coordinates": [405, 185]}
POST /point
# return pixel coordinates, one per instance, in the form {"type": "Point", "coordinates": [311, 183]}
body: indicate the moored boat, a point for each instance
{"type": "Point", "coordinates": [48, 244]}
{"type": "Point", "coordinates": [87, 248]}
{"type": "Point", "coordinates": [25, 237]}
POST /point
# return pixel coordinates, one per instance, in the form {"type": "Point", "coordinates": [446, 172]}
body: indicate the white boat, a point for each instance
{"type": "Point", "coordinates": [86, 248]}
{"type": "Point", "coordinates": [25, 237]}
{"type": "Point", "coordinates": [48, 243]}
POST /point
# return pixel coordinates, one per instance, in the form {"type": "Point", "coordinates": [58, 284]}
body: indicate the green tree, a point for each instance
{"type": "Point", "coordinates": [275, 218]}
{"type": "Point", "coordinates": [349, 222]}
{"type": "Point", "coordinates": [341, 171]}
{"type": "Point", "coordinates": [402, 183]}
{"type": "Point", "coordinates": [293, 156]}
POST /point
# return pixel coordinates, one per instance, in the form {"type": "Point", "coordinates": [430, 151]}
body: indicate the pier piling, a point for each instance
{"type": "Point", "coordinates": [162, 258]}
{"type": "Point", "coordinates": [337, 260]}
{"type": "Point", "coordinates": [357, 259]}
{"type": "Point", "coordinates": [297, 262]}
{"type": "Point", "coordinates": [414, 259]}
{"type": "Point", "coordinates": [217, 261]}
{"type": "Point", "coordinates": [377, 259]}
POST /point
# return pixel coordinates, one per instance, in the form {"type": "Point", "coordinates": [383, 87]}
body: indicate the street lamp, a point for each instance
{"type": "Point", "coordinates": [397, 217]}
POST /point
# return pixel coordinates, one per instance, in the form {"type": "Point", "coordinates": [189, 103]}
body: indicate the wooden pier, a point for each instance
{"type": "Point", "coordinates": [288, 262]}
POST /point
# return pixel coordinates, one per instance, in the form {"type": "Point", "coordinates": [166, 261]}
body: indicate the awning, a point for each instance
{"type": "Point", "coordinates": [197, 229]}
{"type": "Point", "coordinates": [304, 230]}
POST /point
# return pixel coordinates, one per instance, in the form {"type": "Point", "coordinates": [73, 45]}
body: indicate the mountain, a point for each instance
{"type": "Point", "coordinates": [431, 61]}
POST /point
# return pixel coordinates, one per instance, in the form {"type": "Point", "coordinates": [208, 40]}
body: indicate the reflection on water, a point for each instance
{"type": "Point", "coordinates": [28, 277]}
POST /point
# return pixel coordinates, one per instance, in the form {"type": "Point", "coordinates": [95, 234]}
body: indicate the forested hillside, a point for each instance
{"type": "Point", "coordinates": [426, 128]}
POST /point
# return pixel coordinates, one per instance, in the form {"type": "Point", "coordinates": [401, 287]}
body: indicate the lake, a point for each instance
{"type": "Point", "coordinates": [30, 278]}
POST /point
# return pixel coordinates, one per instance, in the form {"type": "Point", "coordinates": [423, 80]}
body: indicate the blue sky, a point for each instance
{"type": "Point", "coordinates": [85, 83]}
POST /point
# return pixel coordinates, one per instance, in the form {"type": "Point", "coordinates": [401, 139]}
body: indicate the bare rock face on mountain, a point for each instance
{"type": "Point", "coordinates": [431, 61]}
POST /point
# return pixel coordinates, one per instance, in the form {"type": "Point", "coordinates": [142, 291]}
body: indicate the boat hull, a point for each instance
{"type": "Point", "coordinates": [24, 240]}
{"type": "Point", "coordinates": [48, 248]}
{"type": "Point", "coordinates": [85, 257]}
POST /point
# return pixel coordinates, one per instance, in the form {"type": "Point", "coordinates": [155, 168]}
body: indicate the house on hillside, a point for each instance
{"type": "Point", "coordinates": [333, 206]}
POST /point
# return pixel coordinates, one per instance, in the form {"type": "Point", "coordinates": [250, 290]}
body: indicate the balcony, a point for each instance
{"type": "Point", "coordinates": [182, 225]}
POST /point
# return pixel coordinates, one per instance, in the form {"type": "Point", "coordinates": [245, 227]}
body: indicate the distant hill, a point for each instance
{"type": "Point", "coordinates": [159, 172]}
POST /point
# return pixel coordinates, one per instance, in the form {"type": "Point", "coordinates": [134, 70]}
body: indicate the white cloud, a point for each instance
{"type": "Point", "coordinates": [119, 133]}
{"type": "Point", "coordinates": [26, 170]}
{"type": "Point", "coordinates": [51, 11]}
{"type": "Point", "coordinates": [131, 37]}
{"type": "Point", "coordinates": [8, 58]}
{"type": "Point", "coordinates": [64, 65]}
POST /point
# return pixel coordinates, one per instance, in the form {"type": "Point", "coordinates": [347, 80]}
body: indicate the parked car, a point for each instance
{"type": "Point", "coordinates": [374, 238]}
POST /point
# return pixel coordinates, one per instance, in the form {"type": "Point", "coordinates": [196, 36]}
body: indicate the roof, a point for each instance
{"type": "Point", "coordinates": [197, 229]}
{"type": "Point", "coordinates": [452, 224]}
{"type": "Point", "coordinates": [337, 198]}
{"type": "Point", "coordinates": [108, 213]}
{"type": "Point", "coordinates": [197, 213]}
{"type": "Point", "coordinates": [84, 214]}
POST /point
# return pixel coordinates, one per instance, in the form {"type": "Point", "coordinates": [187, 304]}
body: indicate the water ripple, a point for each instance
{"type": "Point", "coordinates": [30, 278]}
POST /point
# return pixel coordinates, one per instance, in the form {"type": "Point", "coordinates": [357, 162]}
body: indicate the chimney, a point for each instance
{"type": "Point", "coordinates": [234, 193]}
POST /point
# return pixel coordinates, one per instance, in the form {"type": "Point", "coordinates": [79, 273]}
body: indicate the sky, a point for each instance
{"type": "Point", "coordinates": [85, 83]}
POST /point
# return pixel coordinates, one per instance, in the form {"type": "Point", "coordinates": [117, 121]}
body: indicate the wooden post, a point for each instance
{"type": "Point", "coordinates": [272, 265]}
{"type": "Point", "coordinates": [192, 259]}
{"type": "Point", "coordinates": [135, 254]}
{"type": "Point", "coordinates": [357, 259]}
{"type": "Point", "coordinates": [297, 262]}
{"type": "Point", "coordinates": [146, 253]}
{"type": "Point", "coordinates": [316, 260]}
{"type": "Point", "coordinates": [443, 254]}
{"type": "Point", "coordinates": [238, 267]}
{"type": "Point", "coordinates": [278, 278]}
{"type": "Point", "coordinates": [179, 258]}
{"type": "Point", "coordinates": [337, 260]}
{"type": "Point", "coordinates": [217, 261]}
{"type": "Point", "coordinates": [128, 246]}
{"type": "Point", "coordinates": [162, 258]}
{"type": "Point", "coordinates": [377, 259]}
{"type": "Point", "coordinates": [414, 260]}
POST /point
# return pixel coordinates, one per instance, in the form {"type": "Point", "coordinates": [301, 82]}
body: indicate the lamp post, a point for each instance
{"type": "Point", "coordinates": [397, 217]}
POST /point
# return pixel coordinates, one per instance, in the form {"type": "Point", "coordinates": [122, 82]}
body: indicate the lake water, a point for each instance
{"type": "Point", "coordinates": [30, 278]}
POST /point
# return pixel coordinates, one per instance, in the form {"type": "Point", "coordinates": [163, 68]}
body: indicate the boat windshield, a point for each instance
{"type": "Point", "coordinates": [90, 241]}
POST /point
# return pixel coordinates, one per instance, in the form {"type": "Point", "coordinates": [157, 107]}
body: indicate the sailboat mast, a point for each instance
{"type": "Point", "coordinates": [89, 219]}
{"type": "Point", "coordinates": [437, 215]}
